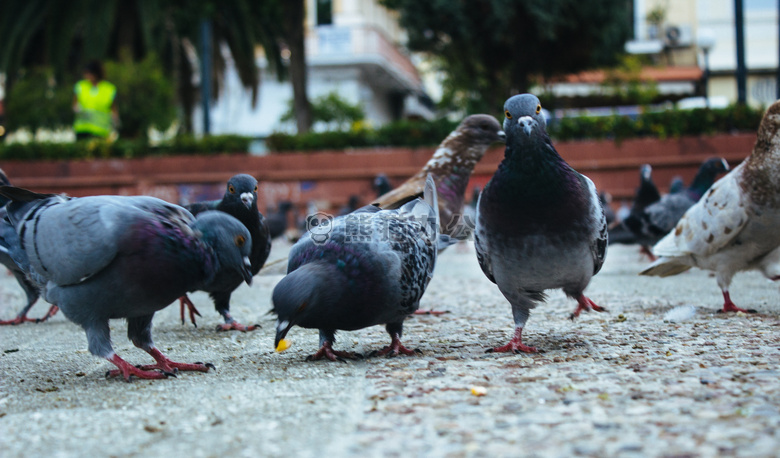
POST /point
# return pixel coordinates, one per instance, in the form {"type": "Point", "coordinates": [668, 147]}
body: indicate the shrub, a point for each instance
{"type": "Point", "coordinates": [123, 148]}
{"type": "Point", "coordinates": [37, 101]}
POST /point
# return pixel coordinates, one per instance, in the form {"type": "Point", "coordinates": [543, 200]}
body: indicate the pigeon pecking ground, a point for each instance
{"type": "Point", "coordinates": [618, 383]}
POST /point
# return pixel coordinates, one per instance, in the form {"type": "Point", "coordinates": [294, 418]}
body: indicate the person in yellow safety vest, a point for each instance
{"type": "Point", "coordinates": [94, 103]}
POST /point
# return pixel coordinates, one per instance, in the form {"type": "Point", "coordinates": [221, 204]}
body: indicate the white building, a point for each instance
{"type": "Point", "coordinates": [353, 48]}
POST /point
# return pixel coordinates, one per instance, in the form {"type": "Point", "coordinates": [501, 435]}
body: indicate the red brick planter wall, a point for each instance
{"type": "Point", "coordinates": [330, 177]}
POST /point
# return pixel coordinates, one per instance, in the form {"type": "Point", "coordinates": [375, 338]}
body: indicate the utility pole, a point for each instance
{"type": "Point", "coordinates": [739, 20]}
{"type": "Point", "coordinates": [205, 73]}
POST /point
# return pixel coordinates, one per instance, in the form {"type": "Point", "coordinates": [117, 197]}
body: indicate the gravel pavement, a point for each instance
{"type": "Point", "coordinates": [622, 383]}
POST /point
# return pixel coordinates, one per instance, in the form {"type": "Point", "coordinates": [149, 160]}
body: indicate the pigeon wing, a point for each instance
{"type": "Point", "coordinates": [710, 224]}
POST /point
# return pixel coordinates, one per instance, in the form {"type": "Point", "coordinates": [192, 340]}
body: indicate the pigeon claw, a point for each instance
{"type": "Point", "coordinates": [22, 317]}
{"type": "Point", "coordinates": [515, 345]}
{"type": "Point", "coordinates": [327, 351]}
{"type": "Point", "coordinates": [729, 306]}
{"type": "Point", "coordinates": [583, 303]}
{"type": "Point", "coordinates": [430, 312]}
{"type": "Point", "coordinates": [395, 348]}
{"type": "Point", "coordinates": [236, 326]}
{"type": "Point", "coordinates": [185, 301]}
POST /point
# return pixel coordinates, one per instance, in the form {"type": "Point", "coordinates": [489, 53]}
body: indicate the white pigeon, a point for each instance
{"type": "Point", "coordinates": [734, 227]}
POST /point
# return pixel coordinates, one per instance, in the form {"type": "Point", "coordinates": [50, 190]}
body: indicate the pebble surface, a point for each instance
{"type": "Point", "coordinates": [658, 374]}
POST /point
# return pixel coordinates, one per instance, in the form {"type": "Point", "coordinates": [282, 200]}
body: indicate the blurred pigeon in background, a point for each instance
{"type": "Point", "coordinates": [540, 224]}
{"type": "Point", "coordinates": [240, 202]}
{"type": "Point", "coordinates": [107, 257]}
{"type": "Point", "coordinates": [657, 219]}
{"type": "Point", "coordinates": [677, 185]}
{"type": "Point", "coordinates": [278, 220]}
{"type": "Point", "coordinates": [8, 238]}
{"type": "Point", "coordinates": [646, 194]}
{"type": "Point", "coordinates": [735, 226]}
{"type": "Point", "coordinates": [381, 185]}
{"type": "Point", "coordinates": [366, 268]}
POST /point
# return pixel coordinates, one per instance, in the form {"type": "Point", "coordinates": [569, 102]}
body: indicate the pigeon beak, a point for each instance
{"type": "Point", "coordinates": [527, 123]}
{"type": "Point", "coordinates": [282, 328]}
{"type": "Point", "coordinates": [247, 198]}
{"type": "Point", "coordinates": [246, 270]}
{"type": "Point", "coordinates": [725, 165]}
{"type": "Point", "coordinates": [502, 136]}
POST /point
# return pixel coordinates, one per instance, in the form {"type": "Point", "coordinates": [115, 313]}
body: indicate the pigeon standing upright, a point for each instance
{"type": "Point", "coordinates": [8, 238]}
{"type": "Point", "coordinates": [240, 202]}
{"type": "Point", "coordinates": [278, 220]}
{"type": "Point", "coordinates": [540, 224]}
{"type": "Point", "coordinates": [366, 268]}
{"type": "Point", "coordinates": [734, 227]}
{"type": "Point", "coordinates": [646, 194]}
{"type": "Point", "coordinates": [107, 257]}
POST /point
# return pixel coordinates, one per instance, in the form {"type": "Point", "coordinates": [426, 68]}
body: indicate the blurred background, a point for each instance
{"type": "Point", "coordinates": [372, 86]}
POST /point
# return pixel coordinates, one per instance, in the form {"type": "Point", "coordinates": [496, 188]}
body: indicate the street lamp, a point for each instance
{"type": "Point", "coordinates": [705, 41]}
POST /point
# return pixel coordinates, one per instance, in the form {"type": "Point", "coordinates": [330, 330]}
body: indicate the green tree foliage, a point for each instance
{"type": "Point", "coordinates": [330, 109]}
{"type": "Point", "coordinates": [145, 96]}
{"type": "Point", "coordinates": [67, 34]}
{"type": "Point", "coordinates": [492, 49]}
{"type": "Point", "coordinates": [35, 101]}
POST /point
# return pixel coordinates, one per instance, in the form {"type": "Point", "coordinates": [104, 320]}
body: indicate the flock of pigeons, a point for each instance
{"type": "Point", "coordinates": [539, 225]}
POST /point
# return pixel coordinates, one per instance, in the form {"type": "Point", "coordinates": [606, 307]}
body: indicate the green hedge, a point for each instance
{"type": "Point", "coordinates": [664, 124]}
{"type": "Point", "coordinates": [661, 124]}
{"type": "Point", "coordinates": [124, 148]}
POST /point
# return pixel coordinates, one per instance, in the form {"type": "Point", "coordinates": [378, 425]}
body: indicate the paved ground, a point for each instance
{"type": "Point", "coordinates": [624, 383]}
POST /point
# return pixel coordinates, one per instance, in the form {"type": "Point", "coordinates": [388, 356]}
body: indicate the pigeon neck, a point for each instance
{"type": "Point", "coordinates": [701, 183]}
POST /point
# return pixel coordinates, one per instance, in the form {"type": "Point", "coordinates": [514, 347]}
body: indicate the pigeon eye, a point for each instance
{"type": "Point", "coordinates": [240, 241]}
{"type": "Point", "coordinates": [255, 188]}
{"type": "Point", "coordinates": [231, 189]}
{"type": "Point", "coordinates": [508, 114]}
{"type": "Point", "coordinates": [538, 109]}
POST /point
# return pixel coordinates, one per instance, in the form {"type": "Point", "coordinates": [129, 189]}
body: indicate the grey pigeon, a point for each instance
{"type": "Point", "coordinates": [109, 257]}
{"type": "Point", "coordinates": [8, 238]}
{"type": "Point", "coordinates": [734, 227]}
{"type": "Point", "coordinates": [646, 194]}
{"type": "Point", "coordinates": [366, 268]}
{"type": "Point", "coordinates": [540, 224]}
{"type": "Point", "coordinates": [240, 202]}
{"type": "Point", "coordinates": [655, 220]}
{"type": "Point", "coordinates": [278, 220]}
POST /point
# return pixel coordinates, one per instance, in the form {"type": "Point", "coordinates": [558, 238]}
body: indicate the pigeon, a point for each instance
{"type": "Point", "coordinates": [540, 224]}
{"type": "Point", "coordinates": [606, 199]}
{"type": "Point", "coordinates": [278, 220]}
{"type": "Point", "coordinates": [646, 194]}
{"type": "Point", "coordinates": [106, 257]}
{"type": "Point", "coordinates": [677, 185]}
{"type": "Point", "coordinates": [734, 226]}
{"type": "Point", "coordinates": [654, 221]}
{"type": "Point", "coordinates": [451, 166]}
{"type": "Point", "coordinates": [240, 202]}
{"type": "Point", "coordinates": [352, 205]}
{"type": "Point", "coordinates": [381, 185]}
{"type": "Point", "coordinates": [366, 268]}
{"type": "Point", "coordinates": [7, 239]}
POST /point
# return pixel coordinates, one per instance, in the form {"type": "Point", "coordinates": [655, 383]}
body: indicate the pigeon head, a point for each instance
{"type": "Point", "coordinates": [523, 117]}
{"type": "Point", "coordinates": [482, 130]}
{"type": "Point", "coordinates": [646, 171]}
{"type": "Point", "coordinates": [241, 188]}
{"type": "Point", "coordinates": [382, 185]}
{"type": "Point", "coordinates": [677, 185]}
{"type": "Point", "coordinates": [304, 295]}
{"type": "Point", "coordinates": [706, 175]}
{"type": "Point", "coordinates": [229, 239]}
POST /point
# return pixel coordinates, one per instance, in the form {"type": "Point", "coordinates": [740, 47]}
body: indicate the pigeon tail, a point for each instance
{"type": "Point", "coordinates": [665, 267]}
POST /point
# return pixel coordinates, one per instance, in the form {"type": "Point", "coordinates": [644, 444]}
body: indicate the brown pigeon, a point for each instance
{"type": "Point", "coordinates": [734, 225]}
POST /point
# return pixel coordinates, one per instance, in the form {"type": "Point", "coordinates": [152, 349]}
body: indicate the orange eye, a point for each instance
{"type": "Point", "coordinates": [255, 188]}
{"type": "Point", "coordinates": [538, 109]}
{"type": "Point", "coordinates": [240, 241]}
{"type": "Point", "coordinates": [231, 189]}
{"type": "Point", "coordinates": [508, 114]}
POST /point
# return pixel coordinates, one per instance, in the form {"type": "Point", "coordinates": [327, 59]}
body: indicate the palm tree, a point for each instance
{"type": "Point", "coordinates": [65, 35]}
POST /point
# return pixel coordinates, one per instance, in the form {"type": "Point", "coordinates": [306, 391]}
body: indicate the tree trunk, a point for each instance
{"type": "Point", "coordinates": [294, 12]}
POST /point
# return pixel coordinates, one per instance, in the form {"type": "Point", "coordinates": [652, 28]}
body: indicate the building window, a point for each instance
{"type": "Point", "coordinates": [324, 12]}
